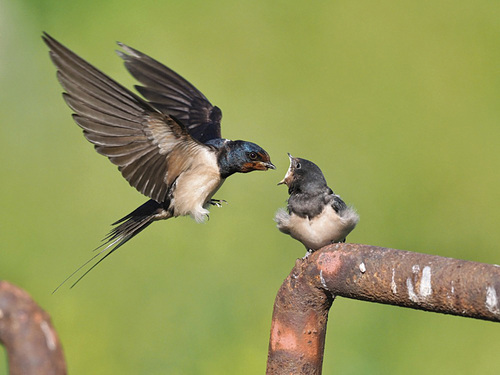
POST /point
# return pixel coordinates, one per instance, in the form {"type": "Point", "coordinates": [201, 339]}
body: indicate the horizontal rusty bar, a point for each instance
{"type": "Point", "coordinates": [408, 279]}
{"type": "Point", "coordinates": [376, 274]}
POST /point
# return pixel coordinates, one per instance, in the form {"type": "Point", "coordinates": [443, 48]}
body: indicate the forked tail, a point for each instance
{"type": "Point", "coordinates": [126, 228]}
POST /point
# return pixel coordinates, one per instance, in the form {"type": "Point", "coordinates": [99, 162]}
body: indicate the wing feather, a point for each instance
{"type": "Point", "coordinates": [91, 126]}
{"type": "Point", "coordinates": [100, 140]}
{"type": "Point", "coordinates": [96, 99]}
{"type": "Point", "coordinates": [171, 94]}
{"type": "Point", "coordinates": [83, 109]}
{"type": "Point", "coordinates": [132, 133]}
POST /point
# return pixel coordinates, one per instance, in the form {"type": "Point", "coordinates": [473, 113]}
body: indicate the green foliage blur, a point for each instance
{"type": "Point", "coordinates": [397, 102]}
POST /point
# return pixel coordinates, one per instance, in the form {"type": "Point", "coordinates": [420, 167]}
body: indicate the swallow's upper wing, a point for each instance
{"type": "Point", "coordinates": [150, 148]}
{"type": "Point", "coordinates": [173, 95]}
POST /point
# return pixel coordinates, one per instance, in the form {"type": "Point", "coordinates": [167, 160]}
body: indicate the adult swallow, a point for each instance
{"type": "Point", "coordinates": [315, 215]}
{"type": "Point", "coordinates": [169, 146]}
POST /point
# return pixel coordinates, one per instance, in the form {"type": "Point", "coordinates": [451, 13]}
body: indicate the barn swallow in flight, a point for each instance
{"type": "Point", "coordinates": [169, 146]}
{"type": "Point", "coordinates": [316, 215]}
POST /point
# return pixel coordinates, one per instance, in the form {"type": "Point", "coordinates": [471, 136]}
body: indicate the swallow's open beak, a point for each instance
{"type": "Point", "coordinates": [262, 165]}
{"type": "Point", "coordinates": [269, 165]}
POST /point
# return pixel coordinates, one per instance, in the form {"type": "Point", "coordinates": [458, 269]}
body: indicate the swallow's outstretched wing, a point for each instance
{"type": "Point", "coordinates": [173, 95]}
{"type": "Point", "coordinates": [150, 148]}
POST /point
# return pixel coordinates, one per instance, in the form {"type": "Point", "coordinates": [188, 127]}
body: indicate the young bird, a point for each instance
{"type": "Point", "coordinates": [316, 215]}
{"type": "Point", "coordinates": [169, 147]}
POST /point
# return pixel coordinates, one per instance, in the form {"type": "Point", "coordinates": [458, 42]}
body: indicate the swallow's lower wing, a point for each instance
{"type": "Point", "coordinates": [173, 95]}
{"type": "Point", "coordinates": [123, 127]}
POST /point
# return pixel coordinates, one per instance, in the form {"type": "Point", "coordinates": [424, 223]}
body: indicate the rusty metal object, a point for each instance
{"type": "Point", "coordinates": [370, 273]}
{"type": "Point", "coordinates": [31, 342]}
{"type": "Point", "coordinates": [299, 325]}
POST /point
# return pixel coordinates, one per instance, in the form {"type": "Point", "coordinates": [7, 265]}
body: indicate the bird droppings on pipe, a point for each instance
{"type": "Point", "coordinates": [425, 282]}
{"type": "Point", "coordinates": [49, 335]}
{"type": "Point", "coordinates": [323, 282]}
{"type": "Point", "coordinates": [492, 300]}
{"type": "Point", "coordinates": [411, 291]}
{"type": "Point", "coordinates": [394, 287]}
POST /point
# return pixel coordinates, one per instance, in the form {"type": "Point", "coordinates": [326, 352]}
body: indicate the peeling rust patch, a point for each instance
{"type": "Point", "coordinates": [312, 343]}
{"type": "Point", "coordinates": [330, 264]}
{"type": "Point", "coordinates": [283, 338]}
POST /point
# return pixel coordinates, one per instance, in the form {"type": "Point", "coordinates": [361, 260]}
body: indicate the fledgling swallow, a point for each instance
{"type": "Point", "coordinates": [169, 146]}
{"type": "Point", "coordinates": [315, 215]}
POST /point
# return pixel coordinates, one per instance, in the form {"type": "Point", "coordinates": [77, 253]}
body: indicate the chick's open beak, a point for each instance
{"type": "Point", "coordinates": [288, 176]}
{"type": "Point", "coordinates": [287, 179]}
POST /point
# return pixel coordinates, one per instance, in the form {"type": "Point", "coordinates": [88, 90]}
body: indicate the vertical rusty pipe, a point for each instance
{"type": "Point", "coordinates": [30, 340]}
{"type": "Point", "coordinates": [298, 327]}
{"type": "Point", "coordinates": [376, 274]}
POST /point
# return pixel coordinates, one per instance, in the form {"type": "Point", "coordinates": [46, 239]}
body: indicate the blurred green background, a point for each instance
{"type": "Point", "coordinates": [398, 103]}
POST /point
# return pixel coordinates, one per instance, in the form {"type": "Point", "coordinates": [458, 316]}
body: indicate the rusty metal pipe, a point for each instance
{"type": "Point", "coordinates": [30, 340]}
{"type": "Point", "coordinates": [371, 273]}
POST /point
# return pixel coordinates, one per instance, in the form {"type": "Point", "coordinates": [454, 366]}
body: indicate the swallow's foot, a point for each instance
{"type": "Point", "coordinates": [217, 202]}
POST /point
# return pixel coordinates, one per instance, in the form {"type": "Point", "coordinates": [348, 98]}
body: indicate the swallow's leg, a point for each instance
{"type": "Point", "coordinates": [217, 202]}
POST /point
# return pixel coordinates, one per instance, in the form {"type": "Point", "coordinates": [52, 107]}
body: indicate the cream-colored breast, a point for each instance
{"type": "Point", "coordinates": [320, 231]}
{"type": "Point", "coordinates": [196, 186]}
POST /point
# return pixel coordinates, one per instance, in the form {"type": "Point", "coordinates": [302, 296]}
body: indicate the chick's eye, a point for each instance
{"type": "Point", "coordinates": [297, 166]}
{"type": "Point", "coordinates": [252, 155]}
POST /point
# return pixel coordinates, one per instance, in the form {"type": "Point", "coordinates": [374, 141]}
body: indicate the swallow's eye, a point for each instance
{"type": "Point", "coordinates": [252, 155]}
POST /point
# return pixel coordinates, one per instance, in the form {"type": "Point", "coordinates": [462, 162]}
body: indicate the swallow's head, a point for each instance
{"type": "Point", "coordinates": [303, 175]}
{"type": "Point", "coordinates": [244, 157]}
